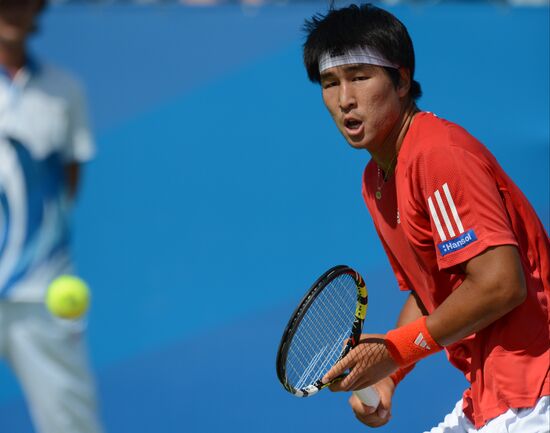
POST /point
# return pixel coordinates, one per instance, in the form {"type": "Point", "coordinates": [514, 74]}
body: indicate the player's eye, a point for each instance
{"type": "Point", "coordinates": [360, 78]}
{"type": "Point", "coordinates": [329, 84]}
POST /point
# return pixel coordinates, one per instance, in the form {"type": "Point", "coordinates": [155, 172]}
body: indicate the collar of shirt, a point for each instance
{"type": "Point", "coordinates": [31, 68]}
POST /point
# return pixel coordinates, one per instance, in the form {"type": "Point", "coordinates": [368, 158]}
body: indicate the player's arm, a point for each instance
{"type": "Point", "coordinates": [377, 417]}
{"type": "Point", "coordinates": [456, 187]}
{"type": "Point", "coordinates": [72, 176]}
{"type": "Point", "coordinates": [412, 310]}
{"type": "Point", "coordinates": [79, 147]}
{"type": "Point", "coordinates": [494, 285]}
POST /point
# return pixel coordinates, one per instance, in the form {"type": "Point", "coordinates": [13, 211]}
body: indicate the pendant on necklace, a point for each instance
{"type": "Point", "coordinates": [378, 195]}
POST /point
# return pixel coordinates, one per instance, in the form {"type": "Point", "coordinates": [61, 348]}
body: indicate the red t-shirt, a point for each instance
{"type": "Point", "coordinates": [448, 202]}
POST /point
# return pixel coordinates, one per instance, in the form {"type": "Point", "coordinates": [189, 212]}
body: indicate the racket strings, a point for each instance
{"type": "Point", "coordinates": [321, 334]}
{"type": "Point", "coordinates": [329, 322]}
{"type": "Point", "coordinates": [319, 315]}
{"type": "Point", "coordinates": [341, 317]}
{"type": "Point", "coordinates": [322, 356]}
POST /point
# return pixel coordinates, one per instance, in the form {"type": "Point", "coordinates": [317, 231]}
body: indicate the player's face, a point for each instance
{"type": "Point", "coordinates": [17, 20]}
{"type": "Point", "coordinates": [364, 103]}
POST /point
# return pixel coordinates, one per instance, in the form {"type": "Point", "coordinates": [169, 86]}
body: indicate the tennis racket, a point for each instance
{"type": "Point", "coordinates": [326, 325]}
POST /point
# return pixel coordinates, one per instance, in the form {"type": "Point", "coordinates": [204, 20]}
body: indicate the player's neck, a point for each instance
{"type": "Point", "coordinates": [12, 57]}
{"type": "Point", "coordinates": [386, 158]}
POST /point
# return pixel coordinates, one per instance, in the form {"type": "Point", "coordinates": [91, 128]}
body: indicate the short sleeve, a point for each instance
{"type": "Point", "coordinates": [460, 195]}
{"type": "Point", "coordinates": [80, 146]}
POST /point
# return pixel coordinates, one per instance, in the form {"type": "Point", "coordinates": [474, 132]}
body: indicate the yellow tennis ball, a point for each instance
{"type": "Point", "coordinates": [68, 297]}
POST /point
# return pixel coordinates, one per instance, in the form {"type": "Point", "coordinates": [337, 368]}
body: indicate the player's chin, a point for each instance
{"type": "Point", "coordinates": [357, 141]}
{"type": "Point", "coordinates": [358, 144]}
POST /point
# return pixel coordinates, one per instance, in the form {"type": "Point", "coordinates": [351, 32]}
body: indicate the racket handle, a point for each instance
{"type": "Point", "coordinates": [369, 396]}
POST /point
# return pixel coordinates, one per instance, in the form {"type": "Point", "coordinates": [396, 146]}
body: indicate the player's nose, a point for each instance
{"type": "Point", "coordinates": [346, 98]}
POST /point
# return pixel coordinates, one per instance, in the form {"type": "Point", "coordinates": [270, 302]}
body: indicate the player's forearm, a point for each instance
{"type": "Point", "coordinates": [493, 287]}
{"type": "Point", "coordinates": [412, 310]}
{"type": "Point", "coordinates": [459, 317]}
{"type": "Point", "coordinates": [72, 176]}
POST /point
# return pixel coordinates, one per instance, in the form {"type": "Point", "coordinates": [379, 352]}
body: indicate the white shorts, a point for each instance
{"type": "Point", "coordinates": [532, 420]}
{"type": "Point", "coordinates": [48, 356]}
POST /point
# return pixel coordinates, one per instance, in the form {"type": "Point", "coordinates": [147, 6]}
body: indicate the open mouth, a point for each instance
{"type": "Point", "coordinates": [353, 126]}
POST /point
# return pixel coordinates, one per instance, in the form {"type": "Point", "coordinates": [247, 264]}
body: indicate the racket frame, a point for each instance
{"type": "Point", "coordinates": [300, 312]}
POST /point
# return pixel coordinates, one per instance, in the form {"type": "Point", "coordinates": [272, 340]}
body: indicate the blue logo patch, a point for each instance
{"type": "Point", "coordinates": [457, 243]}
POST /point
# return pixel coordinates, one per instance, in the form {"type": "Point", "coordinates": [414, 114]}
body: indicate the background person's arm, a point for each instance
{"type": "Point", "coordinates": [72, 179]}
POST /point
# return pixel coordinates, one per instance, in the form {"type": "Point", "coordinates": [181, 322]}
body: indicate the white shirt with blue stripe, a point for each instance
{"type": "Point", "coordinates": [43, 127]}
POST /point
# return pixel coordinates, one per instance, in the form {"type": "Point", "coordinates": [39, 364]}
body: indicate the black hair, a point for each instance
{"type": "Point", "coordinates": [365, 25]}
{"type": "Point", "coordinates": [41, 4]}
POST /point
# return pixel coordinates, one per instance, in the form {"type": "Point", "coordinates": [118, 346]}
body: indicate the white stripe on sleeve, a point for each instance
{"type": "Point", "coordinates": [436, 220]}
{"type": "Point", "coordinates": [444, 214]}
{"type": "Point", "coordinates": [453, 208]}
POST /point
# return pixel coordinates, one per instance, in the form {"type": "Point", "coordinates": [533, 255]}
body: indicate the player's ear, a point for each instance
{"type": "Point", "coordinates": [404, 85]}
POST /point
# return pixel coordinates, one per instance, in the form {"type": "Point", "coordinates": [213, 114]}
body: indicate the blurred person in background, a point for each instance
{"type": "Point", "coordinates": [44, 139]}
{"type": "Point", "coordinates": [461, 237]}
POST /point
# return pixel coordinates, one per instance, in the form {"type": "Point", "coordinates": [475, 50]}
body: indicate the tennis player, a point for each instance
{"type": "Point", "coordinates": [44, 140]}
{"type": "Point", "coordinates": [459, 234]}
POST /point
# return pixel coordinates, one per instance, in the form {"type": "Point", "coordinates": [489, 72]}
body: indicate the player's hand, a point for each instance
{"type": "Point", "coordinates": [375, 417]}
{"type": "Point", "coordinates": [368, 362]}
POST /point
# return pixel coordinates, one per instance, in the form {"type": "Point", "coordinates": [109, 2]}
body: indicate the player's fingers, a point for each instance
{"type": "Point", "coordinates": [360, 383]}
{"type": "Point", "coordinates": [359, 407]}
{"type": "Point", "coordinates": [383, 413]}
{"type": "Point", "coordinates": [356, 380]}
{"type": "Point", "coordinates": [351, 382]}
{"type": "Point", "coordinates": [347, 382]}
{"type": "Point", "coordinates": [367, 414]}
{"type": "Point", "coordinates": [335, 386]}
{"type": "Point", "coordinates": [337, 370]}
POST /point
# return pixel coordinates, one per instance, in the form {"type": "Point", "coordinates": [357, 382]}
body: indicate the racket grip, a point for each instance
{"type": "Point", "coordinates": [369, 396]}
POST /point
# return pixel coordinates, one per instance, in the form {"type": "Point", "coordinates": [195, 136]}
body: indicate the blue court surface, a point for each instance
{"type": "Point", "coordinates": [221, 190]}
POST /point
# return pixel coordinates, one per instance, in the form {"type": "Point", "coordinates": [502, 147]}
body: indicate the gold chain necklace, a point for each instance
{"type": "Point", "coordinates": [380, 185]}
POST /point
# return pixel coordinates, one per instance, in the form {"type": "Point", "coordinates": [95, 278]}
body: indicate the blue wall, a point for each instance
{"type": "Point", "coordinates": [204, 216]}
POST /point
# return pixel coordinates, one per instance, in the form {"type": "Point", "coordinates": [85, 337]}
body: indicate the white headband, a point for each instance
{"type": "Point", "coordinates": [357, 55]}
